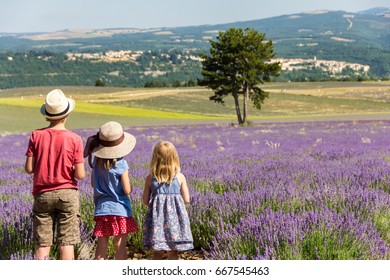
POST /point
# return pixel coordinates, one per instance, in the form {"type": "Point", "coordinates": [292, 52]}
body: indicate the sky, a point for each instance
{"type": "Point", "coordinates": [19, 16]}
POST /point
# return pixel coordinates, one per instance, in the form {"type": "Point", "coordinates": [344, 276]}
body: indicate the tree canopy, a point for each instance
{"type": "Point", "coordinates": [239, 61]}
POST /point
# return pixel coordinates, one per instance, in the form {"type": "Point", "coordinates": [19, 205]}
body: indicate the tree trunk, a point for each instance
{"type": "Point", "coordinates": [245, 103]}
{"type": "Point", "coordinates": [238, 111]}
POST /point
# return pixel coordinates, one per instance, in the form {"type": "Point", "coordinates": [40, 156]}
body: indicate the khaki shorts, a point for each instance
{"type": "Point", "coordinates": [56, 216]}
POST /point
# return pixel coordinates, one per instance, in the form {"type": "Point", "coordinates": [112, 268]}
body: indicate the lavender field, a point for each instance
{"type": "Point", "coordinates": [305, 191]}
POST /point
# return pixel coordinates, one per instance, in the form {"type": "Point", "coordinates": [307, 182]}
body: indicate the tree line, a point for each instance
{"type": "Point", "coordinates": [43, 68]}
{"type": "Point", "coordinates": [158, 68]}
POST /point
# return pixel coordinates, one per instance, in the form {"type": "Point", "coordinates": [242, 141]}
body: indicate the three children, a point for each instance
{"type": "Point", "coordinates": [55, 156]}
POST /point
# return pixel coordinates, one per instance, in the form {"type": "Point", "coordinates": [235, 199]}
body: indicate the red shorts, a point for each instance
{"type": "Point", "coordinates": [114, 225]}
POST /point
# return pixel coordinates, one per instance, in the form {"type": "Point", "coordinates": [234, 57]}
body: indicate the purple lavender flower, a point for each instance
{"type": "Point", "coordinates": [271, 191]}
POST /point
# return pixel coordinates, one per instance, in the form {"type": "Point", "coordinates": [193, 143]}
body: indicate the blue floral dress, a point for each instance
{"type": "Point", "coordinates": [167, 225]}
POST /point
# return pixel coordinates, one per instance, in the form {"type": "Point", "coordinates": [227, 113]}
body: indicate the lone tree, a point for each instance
{"type": "Point", "coordinates": [238, 62]}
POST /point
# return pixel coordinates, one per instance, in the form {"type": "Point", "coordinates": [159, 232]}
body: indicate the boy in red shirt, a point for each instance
{"type": "Point", "coordinates": [55, 157]}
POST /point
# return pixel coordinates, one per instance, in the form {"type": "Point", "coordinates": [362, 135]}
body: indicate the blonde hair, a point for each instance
{"type": "Point", "coordinates": [105, 163]}
{"type": "Point", "coordinates": [165, 163]}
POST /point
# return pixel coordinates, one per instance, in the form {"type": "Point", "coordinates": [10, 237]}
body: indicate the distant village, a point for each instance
{"type": "Point", "coordinates": [123, 55]}
{"type": "Point", "coordinates": [108, 56]}
{"type": "Point", "coordinates": [287, 64]}
{"type": "Point", "coordinates": [331, 66]}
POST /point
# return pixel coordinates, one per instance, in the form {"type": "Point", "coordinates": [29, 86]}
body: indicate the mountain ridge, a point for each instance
{"type": "Point", "coordinates": [104, 32]}
{"type": "Point", "coordinates": [171, 55]}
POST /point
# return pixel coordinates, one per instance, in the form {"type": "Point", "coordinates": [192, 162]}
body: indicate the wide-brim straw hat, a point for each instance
{"type": "Point", "coordinates": [113, 141]}
{"type": "Point", "coordinates": [57, 105]}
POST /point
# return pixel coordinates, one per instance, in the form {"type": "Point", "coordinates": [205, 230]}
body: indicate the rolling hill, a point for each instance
{"type": "Point", "coordinates": [362, 38]}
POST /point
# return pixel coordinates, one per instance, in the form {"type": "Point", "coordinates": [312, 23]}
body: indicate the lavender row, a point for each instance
{"type": "Point", "coordinates": [272, 191]}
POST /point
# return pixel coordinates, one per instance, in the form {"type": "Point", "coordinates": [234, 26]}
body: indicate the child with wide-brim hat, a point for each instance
{"type": "Point", "coordinates": [111, 183]}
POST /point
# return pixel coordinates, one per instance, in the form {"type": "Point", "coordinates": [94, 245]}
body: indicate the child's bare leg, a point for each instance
{"type": "Point", "coordinates": [101, 248]}
{"type": "Point", "coordinates": [67, 252]}
{"type": "Point", "coordinates": [42, 253]}
{"type": "Point", "coordinates": [158, 255]}
{"type": "Point", "coordinates": [172, 255]}
{"type": "Point", "coordinates": [120, 242]}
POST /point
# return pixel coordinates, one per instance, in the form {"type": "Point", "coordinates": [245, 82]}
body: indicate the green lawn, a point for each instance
{"type": "Point", "coordinates": [96, 105]}
{"type": "Point", "coordinates": [278, 104]}
{"type": "Point", "coordinates": [23, 115]}
{"type": "Point", "coordinates": [22, 119]}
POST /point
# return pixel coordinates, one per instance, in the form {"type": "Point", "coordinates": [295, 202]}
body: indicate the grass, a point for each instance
{"type": "Point", "coordinates": [276, 105]}
{"type": "Point", "coordinates": [166, 106]}
{"type": "Point", "coordinates": [107, 109]}
{"type": "Point", "coordinates": [69, 90]}
{"type": "Point", "coordinates": [23, 115]}
{"type": "Point", "coordinates": [22, 119]}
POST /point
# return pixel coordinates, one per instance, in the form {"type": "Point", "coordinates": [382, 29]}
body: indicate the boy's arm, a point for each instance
{"type": "Point", "coordinates": [29, 165]}
{"type": "Point", "coordinates": [79, 168]}
{"type": "Point", "coordinates": [79, 171]}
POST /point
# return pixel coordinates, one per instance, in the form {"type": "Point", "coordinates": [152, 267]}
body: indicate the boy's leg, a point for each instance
{"type": "Point", "coordinates": [43, 220]}
{"type": "Point", "coordinates": [172, 255]}
{"type": "Point", "coordinates": [42, 253]}
{"type": "Point", "coordinates": [68, 221]}
{"type": "Point", "coordinates": [67, 252]}
{"type": "Point", "coordinates": [101, 248]}
{"type": "Point", "coordinates": [120, 242]}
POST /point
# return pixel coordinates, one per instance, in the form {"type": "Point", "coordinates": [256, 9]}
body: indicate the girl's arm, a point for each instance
{"type": "Point", "coordinates": [146, 194]}
{"type": "Point", "coordinates": [29, 165]}
{"type": "Point", "coordinates": [92, 180]}
{"type": "Point", "coordinates": [126, 182]}
{"type": "Point", "coordinates": [184, 188]}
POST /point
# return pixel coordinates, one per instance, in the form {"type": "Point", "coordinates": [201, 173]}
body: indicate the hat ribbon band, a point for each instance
{"type": "Point", "coordinates": [112, 143]}
{"type": "Point", "coordinates": [58, 114]}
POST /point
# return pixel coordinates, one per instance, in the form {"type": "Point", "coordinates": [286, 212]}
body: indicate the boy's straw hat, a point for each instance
{"type": "Point", "coordinates": [57, 106]}
{"type": "Point", "coordinates": [113, 142]}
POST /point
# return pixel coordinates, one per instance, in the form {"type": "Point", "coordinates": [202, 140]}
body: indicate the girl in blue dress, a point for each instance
{"type": "Point", "coordinates": [167, 225]}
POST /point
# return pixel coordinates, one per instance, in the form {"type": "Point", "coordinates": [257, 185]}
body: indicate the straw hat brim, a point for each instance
{"type": "Point", "coordinates": [72, 105]}
{"type": "Point", "coordinates": [118, 151]}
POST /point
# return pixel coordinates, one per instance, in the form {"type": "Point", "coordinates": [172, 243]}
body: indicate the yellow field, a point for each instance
{"type": "Point", "coordinates": [107, 109]}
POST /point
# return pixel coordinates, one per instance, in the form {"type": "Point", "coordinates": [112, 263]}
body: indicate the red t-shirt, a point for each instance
{"type": "Point", "coordinates": [55, 153]}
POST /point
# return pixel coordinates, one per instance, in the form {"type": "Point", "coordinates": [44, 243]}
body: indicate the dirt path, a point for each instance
{"type": "Point", "coordinates": [188, 255]}
{"type": "Point", "coordinates": [133, 95]}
